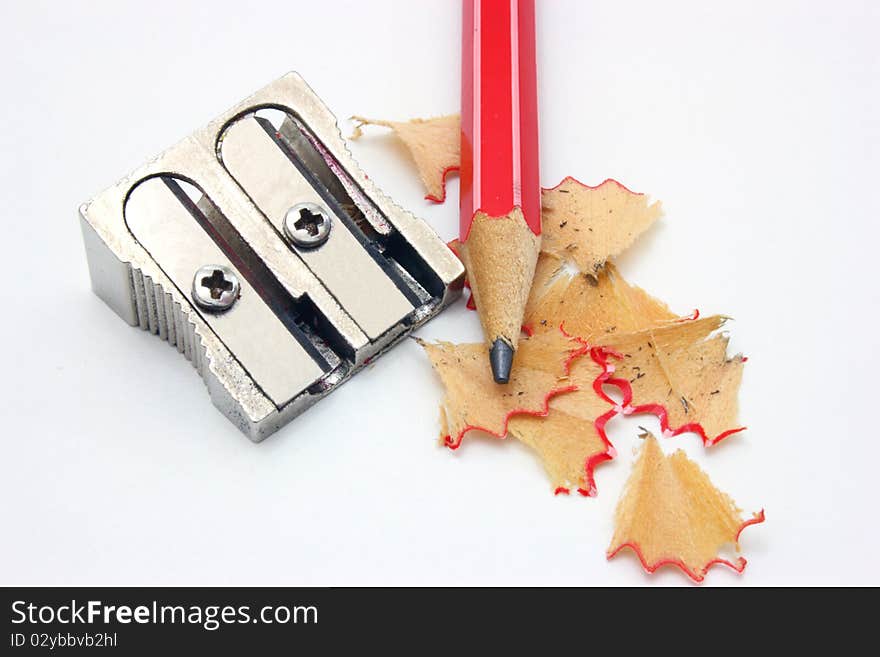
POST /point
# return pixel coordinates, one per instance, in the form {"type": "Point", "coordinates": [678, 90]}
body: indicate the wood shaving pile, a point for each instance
{"type": "Point", "coordinates": [590, 330]}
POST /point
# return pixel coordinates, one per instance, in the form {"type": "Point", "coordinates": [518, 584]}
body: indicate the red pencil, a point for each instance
{"type": "Point", "coordinates": [500, 186]}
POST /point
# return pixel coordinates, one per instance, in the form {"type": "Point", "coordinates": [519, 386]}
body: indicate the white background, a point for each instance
{"type": "Point", "coordinates": [755, 122]}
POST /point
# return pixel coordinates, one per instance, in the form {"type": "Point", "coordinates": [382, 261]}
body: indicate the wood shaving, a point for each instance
{"type": "Point", "coordinates": [587, 225]}
{"type": "Point", "coordinates": [433, 143]}
{"type": "Point", "coordinates": [474, 401]}
{"type": "Point", "coordinates": [567, 440]}
{"type": "Point", "coordinates": [683, 367]}
{"type": "Point", "coordinates": [591, 308]}
{"type": "Point", "coordinates": [670, 513]}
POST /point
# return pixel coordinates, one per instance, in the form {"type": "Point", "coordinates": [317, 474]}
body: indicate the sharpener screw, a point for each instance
{"type": "Point", "coordinates": [307, 225]}
{"type": "Point", "coordinates": [215, 287]}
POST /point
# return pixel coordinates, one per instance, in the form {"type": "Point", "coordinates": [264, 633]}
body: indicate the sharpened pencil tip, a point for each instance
{"type": "Point", "coordinates": [501, 360]}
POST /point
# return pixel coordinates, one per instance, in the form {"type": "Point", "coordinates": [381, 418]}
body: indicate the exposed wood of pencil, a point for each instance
{"type": "Point", "coordinates": [500, 256]}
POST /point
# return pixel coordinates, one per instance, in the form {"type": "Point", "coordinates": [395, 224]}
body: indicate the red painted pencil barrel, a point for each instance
{"type": "Point", "coordinates": [499, 112]}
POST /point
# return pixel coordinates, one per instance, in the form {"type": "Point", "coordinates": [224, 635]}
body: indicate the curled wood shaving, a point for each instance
{"type": "Point", "coordinates": [474, 401]}
{"type": "Point", "coordinates": [682, 373]}
{"type": "Point", "coordinates": [591, 308]}
{"type": "Point", "coordinates": [567, 440]}
{"type": "Point", "coordinates": [587, 225]}
{"type": "Point", "coordinates": [433, 143]}
{"type": "Point", "coordinates": [670, 513]}
{"type": "Point", "coordinates": [550, 409]}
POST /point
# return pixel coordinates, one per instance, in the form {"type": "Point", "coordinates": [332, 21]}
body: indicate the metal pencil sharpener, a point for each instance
{"type": "Point", "coordinates": [260, 250]}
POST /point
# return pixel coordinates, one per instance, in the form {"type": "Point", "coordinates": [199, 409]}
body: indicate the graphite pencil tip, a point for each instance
{"type": "Point", "coordinates": [501, 360]}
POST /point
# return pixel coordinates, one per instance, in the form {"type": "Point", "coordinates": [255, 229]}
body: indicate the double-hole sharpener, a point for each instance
{"type": "Point", "coordinates": [259, 249]}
